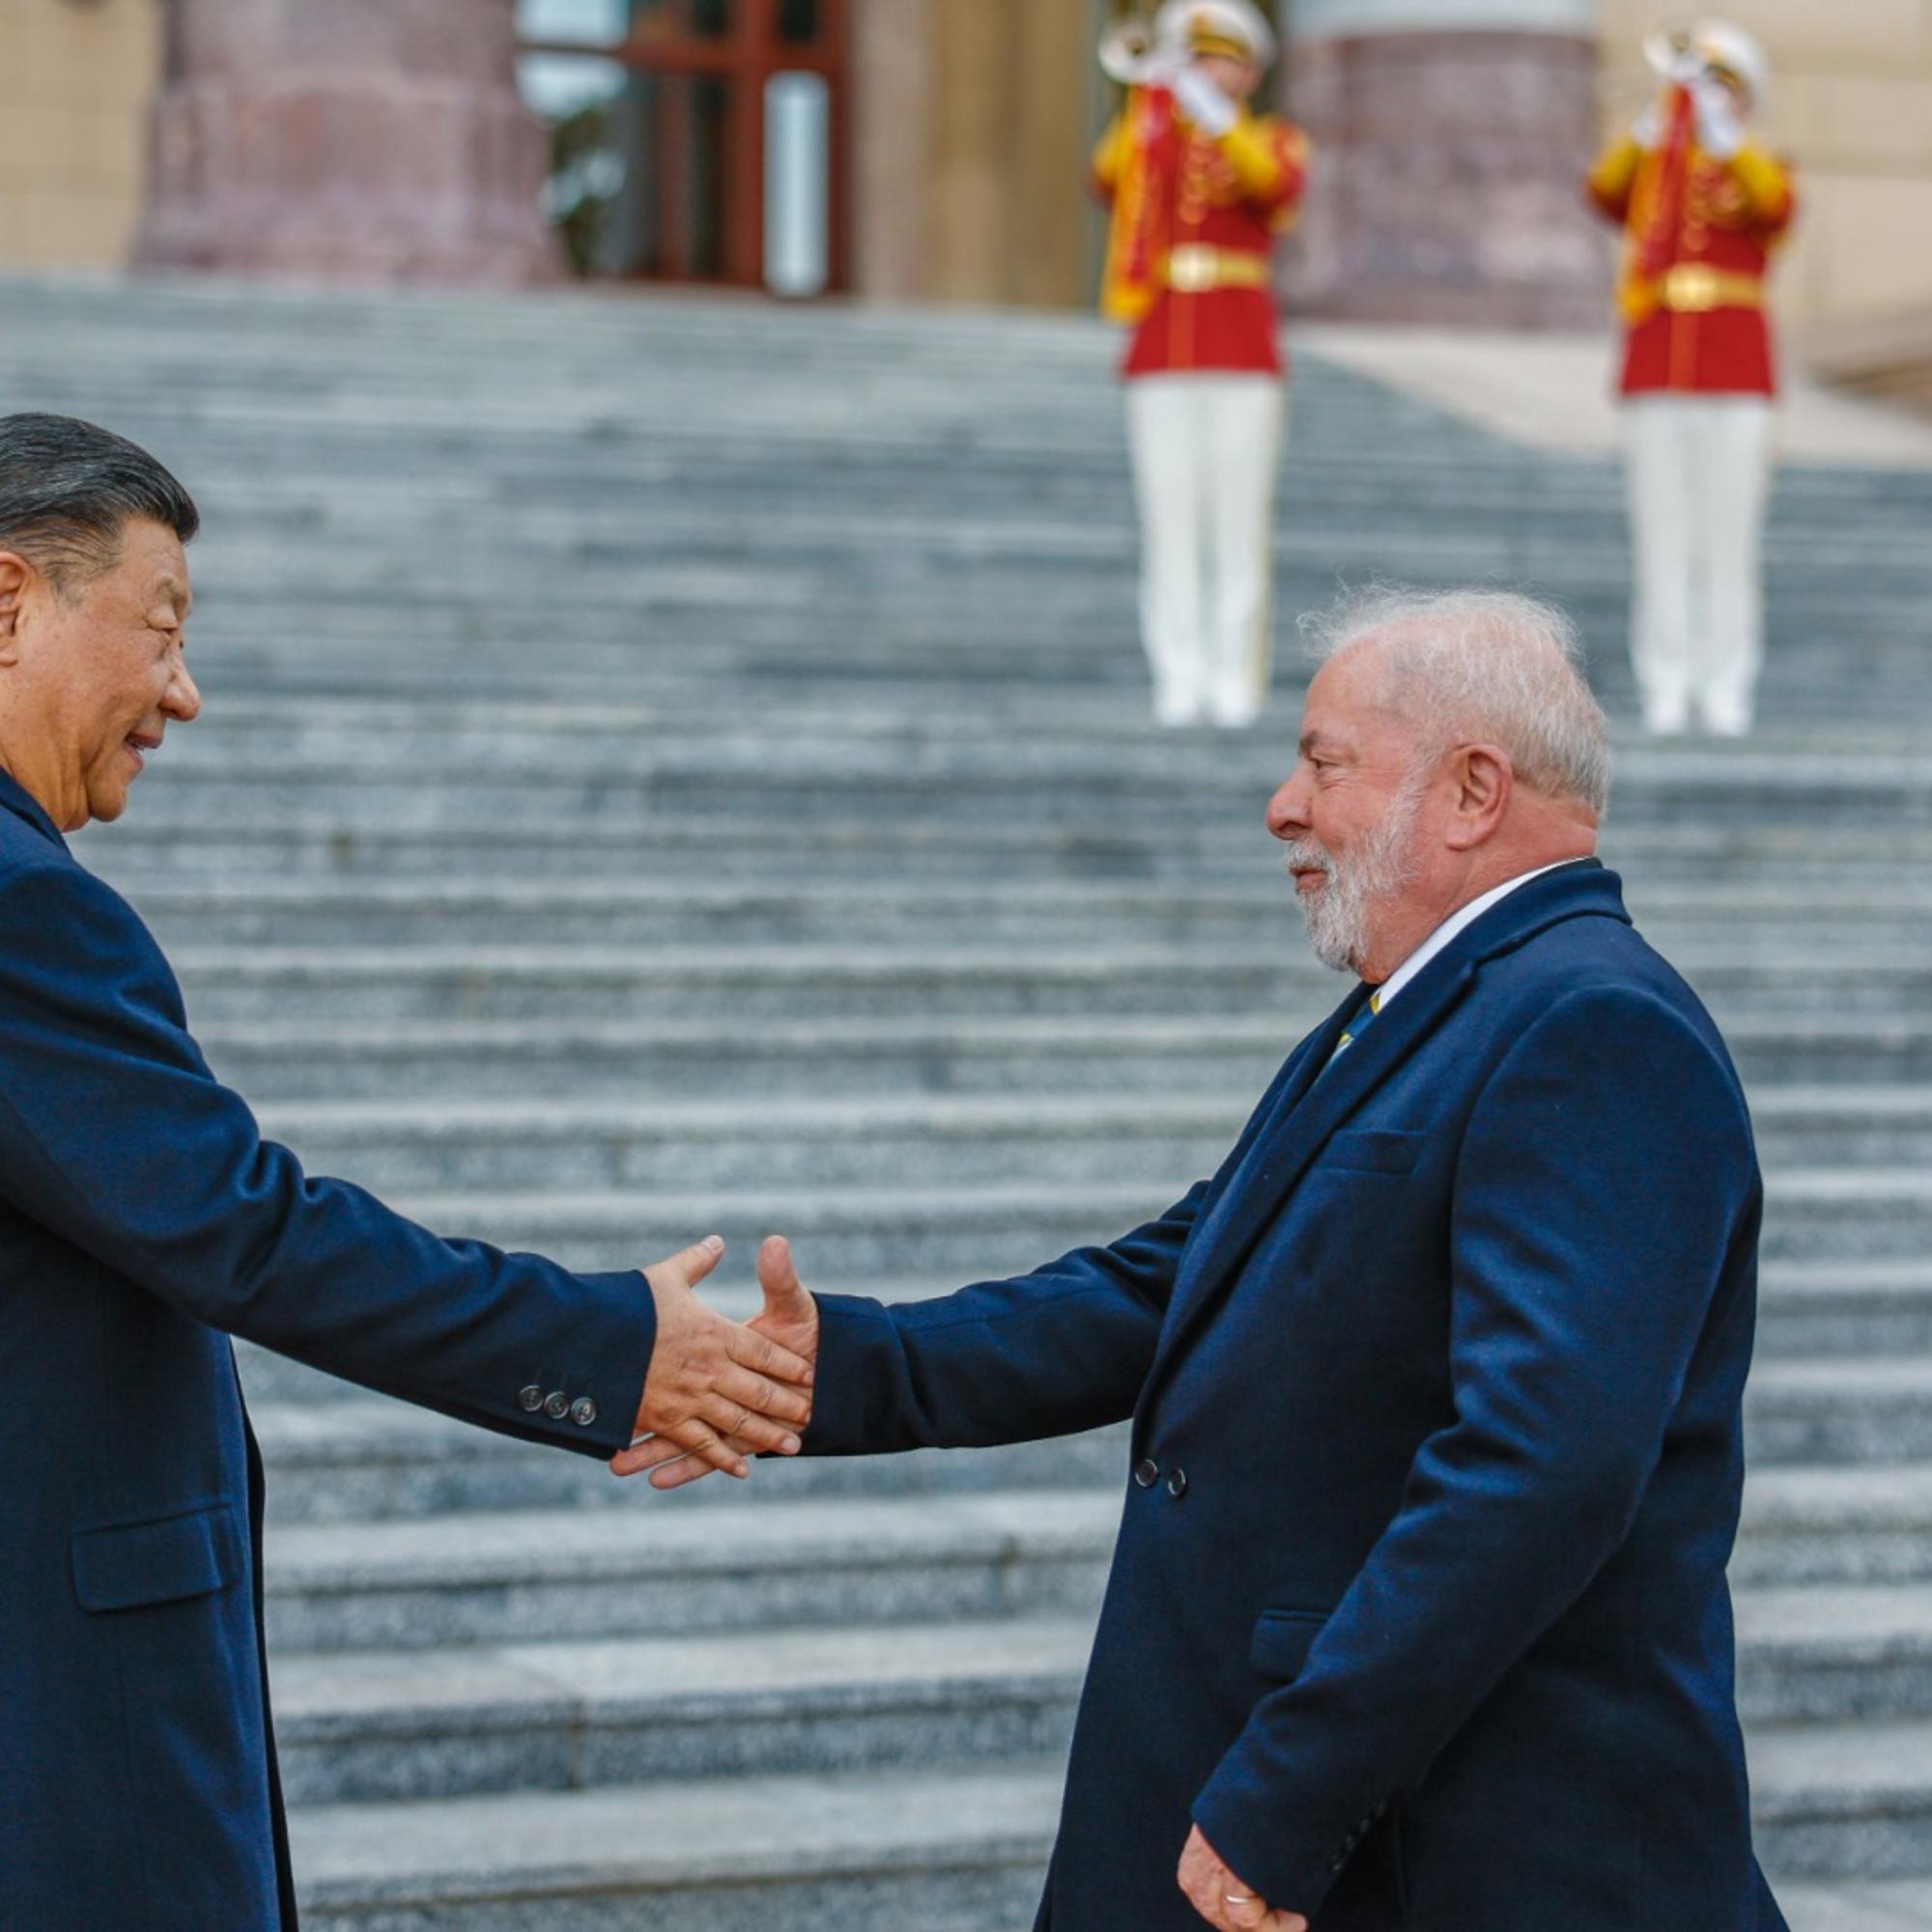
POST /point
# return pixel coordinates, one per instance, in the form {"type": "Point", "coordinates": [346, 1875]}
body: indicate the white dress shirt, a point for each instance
{"type": "Point", "coordinates": [1456, 923]}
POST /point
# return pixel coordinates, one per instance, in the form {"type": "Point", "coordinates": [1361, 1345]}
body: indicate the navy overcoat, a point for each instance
{"type": "Point", "coordinates": [143, 1219]}
{"type": "Point", "coordinates": [1418, 1607]}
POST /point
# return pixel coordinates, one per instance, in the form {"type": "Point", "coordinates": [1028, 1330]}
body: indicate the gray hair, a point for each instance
{"type": "Point", "coordinates": [68, 490]}
{"type": "Point", "coordinates": [1488, 664]}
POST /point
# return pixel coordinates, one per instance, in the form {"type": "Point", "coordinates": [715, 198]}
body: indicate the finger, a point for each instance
{"type": "Point", "coordinates": [764, 1397]}
{"type": "Point", "coordinates": [704, 1441]}
{"type": "Point", "coordinates": [777, 1277]}
{"type": "Point", "coordinates": [689, 1266]}
{"type": "Point", "coordinates": [737, 1424]}
{"type": "Point", "coordinates": [753, 1350]}
{"type": "Point", "coordinates": [648, 1454]}
{"type": "Point", "coordinates": [677, 1475]}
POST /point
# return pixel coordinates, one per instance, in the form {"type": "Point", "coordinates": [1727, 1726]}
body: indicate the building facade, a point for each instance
{"type": "Point", "coordinates": [900, 150]}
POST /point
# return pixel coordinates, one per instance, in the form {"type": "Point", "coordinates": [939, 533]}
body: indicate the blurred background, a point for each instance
{"type": "Point", "coordinates": [676, 757]}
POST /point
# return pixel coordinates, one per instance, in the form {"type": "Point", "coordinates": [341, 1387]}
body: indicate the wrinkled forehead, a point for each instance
{"type": "Point", "coordinates": [1352, 695]}
{"type": "Point", "coordinates": [152, 566]}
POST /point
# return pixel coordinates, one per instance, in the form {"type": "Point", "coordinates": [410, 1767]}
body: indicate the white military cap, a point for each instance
{"type": "Point", "coordinates": [1736, 52]}
{"type": "Point", "coordinates": [1720, 45]}
{"type": "Point", "coordinates": [1233, 27]}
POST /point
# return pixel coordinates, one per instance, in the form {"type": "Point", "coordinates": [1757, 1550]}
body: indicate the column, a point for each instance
{"type": "Point", "coordinates": [1452, 137]}
{"type": "Point", "coordinates": [356, 140]}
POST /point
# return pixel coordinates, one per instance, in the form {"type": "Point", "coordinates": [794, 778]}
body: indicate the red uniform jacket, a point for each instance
{"type": "Point", "coordinates": [1211, 211]}
{"type": "Point", "coordinates": [1700, 233]}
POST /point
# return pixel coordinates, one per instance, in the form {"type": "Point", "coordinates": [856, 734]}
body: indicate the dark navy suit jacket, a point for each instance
{"type": "Point", "coordinates": [1418, 1606]}
{"type": "Point", "coordinates": [143, 1220]}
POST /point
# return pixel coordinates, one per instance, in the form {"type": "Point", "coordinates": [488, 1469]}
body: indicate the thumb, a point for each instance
{"type": "Point", "coordinates": [689, 1266]}
{"type": "Point", "coordinates": [778, 1276]}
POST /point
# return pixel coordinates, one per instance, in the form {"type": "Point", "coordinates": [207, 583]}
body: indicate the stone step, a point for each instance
{"type": "Point", "coordinates": [337, 1455]}
{"type": "Point", "coordinates": [559, 1717]}
{"type": "Point", "coordinates": [942, 1850]}
{"type": "Point", "coordinates": [1877, 1905]}
{"type": "Point", "coordinates": [926, 1141]}
{"type": "Point", "coordinates": [683, 1564]}
{"type": "Point", "coordinates": [858, 1237]}
{"type": "Point", "coordinates": [947, 1850]}
{"type": "Point", "coordinates": [730, 852]}
{"type": "Point", "coordinates": [1058, 1054]}
{"type": "Point", "coordinates": [360, 1727]}
{"type": "Point", "coordinates": [796, 982]}
{"type": "Point", "coordinates": [679, 1564]}
{"type": "Point", "coordinates": [1844, 1798]}
{"type": "Point", "coordinates": [663, 915]}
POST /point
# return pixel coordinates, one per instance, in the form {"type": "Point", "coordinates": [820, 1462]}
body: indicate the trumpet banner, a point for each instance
{"type": "Point", "coordinates": [1135, 236]}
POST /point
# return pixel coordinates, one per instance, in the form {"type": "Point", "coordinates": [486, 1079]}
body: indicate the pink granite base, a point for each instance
{"type": "Point", "coordinates": [393, 147]}
{"type": "Point", "coordinates": [1448, 180]}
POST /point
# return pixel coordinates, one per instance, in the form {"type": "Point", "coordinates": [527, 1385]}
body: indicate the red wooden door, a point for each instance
{"type": "Point", "coordinates": [701, 75]}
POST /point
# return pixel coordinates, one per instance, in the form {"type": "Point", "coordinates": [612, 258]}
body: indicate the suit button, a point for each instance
{"type": "Point", "coordinates": [1147, 1473]}
{"type": "Point", "coordinates": [1177, 1484]}
{"type": "Point", "coordinates": [530, 1400]}
{"type": "Point", "coordinates": [556, 1405]}
{"type": "Point", "coordinates": [583, 1411]}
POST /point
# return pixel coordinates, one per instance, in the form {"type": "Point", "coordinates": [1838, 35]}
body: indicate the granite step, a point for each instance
{"type": "Point", "coordinates": [947, 1850]}
{"type": "Point", "coordinates": [683, 1564]}
{"type": "Point", "coordinates": [303, 1059]}
{"type": "Point", "coordinates": [664, 916]}
{"type": "Point", "coordinates": [359, 1726]}
{"type": "Point", "coordinates": [397, 1145]}
{"type": "Point", "coordinates": [857, 1237]}
{"type": "Point", "coordinates": [943, 1850]}
{"type": "Point", "coordinates": [344, 1456]}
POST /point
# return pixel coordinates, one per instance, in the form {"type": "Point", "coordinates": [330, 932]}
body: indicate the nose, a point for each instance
{"type": "Point", "coordinates": [1288, 808]}
{"type": "Point", "coordinates": [182, 703]}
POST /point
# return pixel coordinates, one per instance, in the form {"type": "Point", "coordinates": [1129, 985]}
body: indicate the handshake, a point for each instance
{"type": "Point", "coordinates": [718, 1391]}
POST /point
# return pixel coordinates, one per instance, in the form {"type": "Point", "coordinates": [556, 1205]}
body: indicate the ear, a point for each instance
{"type": "Point", "coordinates": [17, 576]}
{"type": "Point", "coordinates": [1483, 780]}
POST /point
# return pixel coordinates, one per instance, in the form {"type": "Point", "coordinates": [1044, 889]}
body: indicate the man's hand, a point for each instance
{"type": "Point", "coordinates": [716, 1392]}
{"type": "Point", "coordinates": [1204, 104]}
{"type": "Point", "coordinates": [1222, 1899]}
{"type": "Point", "coordinates": [790, 1323]}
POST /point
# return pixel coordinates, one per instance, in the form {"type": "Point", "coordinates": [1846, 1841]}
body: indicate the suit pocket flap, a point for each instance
{"type": "Point", "coordinates": [1376, 1149]}
{"type": "Point", "coordinates": [157, 1562]}
{"type": "Point", "coordinates": [1282, 1640]}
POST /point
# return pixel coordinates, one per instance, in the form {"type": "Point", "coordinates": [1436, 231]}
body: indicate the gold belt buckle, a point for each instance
{"type": "Point", "coordinates": [1692, 288]}
{"type": "Point", "coordinates": [1192, 269]}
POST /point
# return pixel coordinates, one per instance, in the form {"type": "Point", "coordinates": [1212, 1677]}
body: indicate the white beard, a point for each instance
{"type": "Point", "coordinates": [1342, 911]}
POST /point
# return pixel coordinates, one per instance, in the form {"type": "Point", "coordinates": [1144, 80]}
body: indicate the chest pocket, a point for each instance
{"type": "Point", "coordinates": [1374, 1151]}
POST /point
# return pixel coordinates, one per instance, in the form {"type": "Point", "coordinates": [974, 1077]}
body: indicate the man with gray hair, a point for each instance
{"type": "Point", "coordinates": [1418, 1613]}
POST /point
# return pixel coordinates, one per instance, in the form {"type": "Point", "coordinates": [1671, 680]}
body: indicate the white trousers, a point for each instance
{"type": "Point", "coordinates": [1698, 472]}
{"type": "Point", "coordinates": [1205, 451]}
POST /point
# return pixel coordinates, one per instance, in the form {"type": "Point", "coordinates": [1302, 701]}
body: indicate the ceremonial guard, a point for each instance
{"type": "Point", "coordinates": [1702, 205]}
{"type": "Point", "coordinates": [1198, 188]}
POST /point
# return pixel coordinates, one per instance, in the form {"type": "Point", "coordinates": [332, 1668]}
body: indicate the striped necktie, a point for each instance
{"type": "Point", "coordinates": [1357, 1027]}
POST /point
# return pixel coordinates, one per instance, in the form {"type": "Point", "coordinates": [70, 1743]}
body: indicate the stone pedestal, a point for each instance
{"type": "Point", "coordinates": [347, 139]}
{"type": "Point", "coordinates": [1452, 138]}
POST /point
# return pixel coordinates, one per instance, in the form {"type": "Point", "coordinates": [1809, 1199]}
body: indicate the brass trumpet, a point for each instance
{"type": "Point", "coordinates": [1132, 53]}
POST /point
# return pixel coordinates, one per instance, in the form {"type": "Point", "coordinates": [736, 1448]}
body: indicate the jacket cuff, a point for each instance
{"type": "Point", "coordinates": [851, 1331]}
{"type": "Point", "coordinates": [587, 1398]}
{"type": "Point", "coordinates": [1285, 1849]}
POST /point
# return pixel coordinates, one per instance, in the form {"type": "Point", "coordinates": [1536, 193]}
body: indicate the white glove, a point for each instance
{"type": "Point", "coordinates": [1204, 104]}
{"type": "Point", "coordinates": [1720, 127]}
{"type": "Point", "coordinates": [1647, 130]}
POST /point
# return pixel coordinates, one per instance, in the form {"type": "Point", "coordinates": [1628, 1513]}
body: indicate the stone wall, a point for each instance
{"type": "Point", "coordinates": [76, 77]}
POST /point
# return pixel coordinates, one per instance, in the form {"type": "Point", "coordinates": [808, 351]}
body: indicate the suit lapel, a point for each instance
{"type": "Point", "coordinates": [1315, 1102]}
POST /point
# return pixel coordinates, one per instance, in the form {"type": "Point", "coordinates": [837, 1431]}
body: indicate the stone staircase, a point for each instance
{"type": "Point", "coordinates": [678, 765]}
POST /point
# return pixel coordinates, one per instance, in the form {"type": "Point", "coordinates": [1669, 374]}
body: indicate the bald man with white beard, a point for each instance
{"type": "Point", "coordinates": [1418, 1615]}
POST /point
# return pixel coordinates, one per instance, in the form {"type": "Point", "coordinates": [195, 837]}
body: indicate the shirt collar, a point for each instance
{"type": "Point", "coordinates": [1457, 921]}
